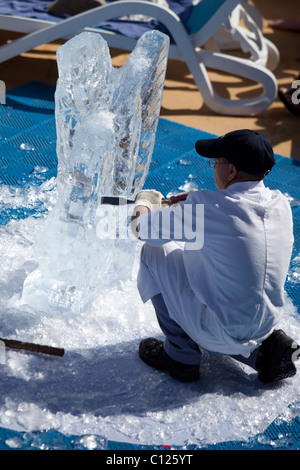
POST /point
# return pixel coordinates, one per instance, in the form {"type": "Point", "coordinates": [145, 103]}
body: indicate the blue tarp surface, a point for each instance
{"type": "Point", "coordinates": [27, 118]}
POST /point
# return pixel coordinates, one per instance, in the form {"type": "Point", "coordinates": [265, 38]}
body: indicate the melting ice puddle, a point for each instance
{"type": "Point", "coordinates": [100, 386]}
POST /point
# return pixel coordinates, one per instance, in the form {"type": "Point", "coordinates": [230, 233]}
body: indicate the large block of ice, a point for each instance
{"type": "Point", "coordinates": [107, 117]}
{"type": "Point", "coordinates": [106, 120]}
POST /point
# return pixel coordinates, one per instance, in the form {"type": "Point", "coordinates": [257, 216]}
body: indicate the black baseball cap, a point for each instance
{"type": "Point", "coordinates": [247, 150]}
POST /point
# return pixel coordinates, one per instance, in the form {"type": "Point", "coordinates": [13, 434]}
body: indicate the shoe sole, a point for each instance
{"type": "Point", "coordinates": [287, 370]}
{"type": "Point", "coordinates": [185, 375]}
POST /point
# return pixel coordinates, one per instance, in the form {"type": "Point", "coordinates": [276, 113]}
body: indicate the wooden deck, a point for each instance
{"type": "Point", "coordinates": [181, 100]}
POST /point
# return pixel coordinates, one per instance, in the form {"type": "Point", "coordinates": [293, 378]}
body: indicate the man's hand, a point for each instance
{"type": "Point", "coordinates": [149, 198]}
{"type": "Point", "coordinates": [145, 201]}
{"type": "Point", "coordinates": [180, 197]}
{"type": "Point", "coordinates": [138, 210]}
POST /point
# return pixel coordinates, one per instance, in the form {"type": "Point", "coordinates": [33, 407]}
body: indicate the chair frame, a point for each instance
{"type": "Point", "coordinates": [187, 48]}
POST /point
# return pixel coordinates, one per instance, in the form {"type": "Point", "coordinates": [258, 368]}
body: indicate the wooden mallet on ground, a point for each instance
{"type": "Point", "coordinates": [39, 348]}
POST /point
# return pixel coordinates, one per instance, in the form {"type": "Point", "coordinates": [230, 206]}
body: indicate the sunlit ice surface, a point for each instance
{"type": "Point", "coordinates": [101, 387]}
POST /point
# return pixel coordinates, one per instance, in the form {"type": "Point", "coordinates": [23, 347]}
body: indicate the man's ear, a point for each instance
{"type": "Point", "coordinates": [232, 172]}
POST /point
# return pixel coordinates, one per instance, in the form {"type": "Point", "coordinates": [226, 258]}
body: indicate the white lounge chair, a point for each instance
{"type": "Point", "coordinates": [232, 35]}
{"type": "Point", "coordinates": [189, 40]}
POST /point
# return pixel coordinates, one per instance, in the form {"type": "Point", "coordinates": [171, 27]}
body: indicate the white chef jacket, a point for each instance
{"type": "Point", "coordinates": [227, 291]}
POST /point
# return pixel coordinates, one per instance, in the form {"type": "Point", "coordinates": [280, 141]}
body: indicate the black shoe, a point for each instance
{"type": "Point", "coordinates": [152, 352]}
{"type": "Point", "coordinates": [276, 357]}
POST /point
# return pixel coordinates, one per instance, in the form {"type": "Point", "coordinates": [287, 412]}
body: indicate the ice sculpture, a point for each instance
{"type": "Point", "coordinates": [106, 119]}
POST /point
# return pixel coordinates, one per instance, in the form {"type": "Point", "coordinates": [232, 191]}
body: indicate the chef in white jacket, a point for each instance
{"type": "Point", "coordinates": [222, 291]}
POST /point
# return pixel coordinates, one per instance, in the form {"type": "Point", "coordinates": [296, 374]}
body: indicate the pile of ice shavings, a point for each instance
{"type": "Point", "coordinates": [100, 387]}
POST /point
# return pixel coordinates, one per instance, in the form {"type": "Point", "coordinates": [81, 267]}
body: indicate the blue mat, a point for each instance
{"type": "Point", "coordinates": [28, 144]}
